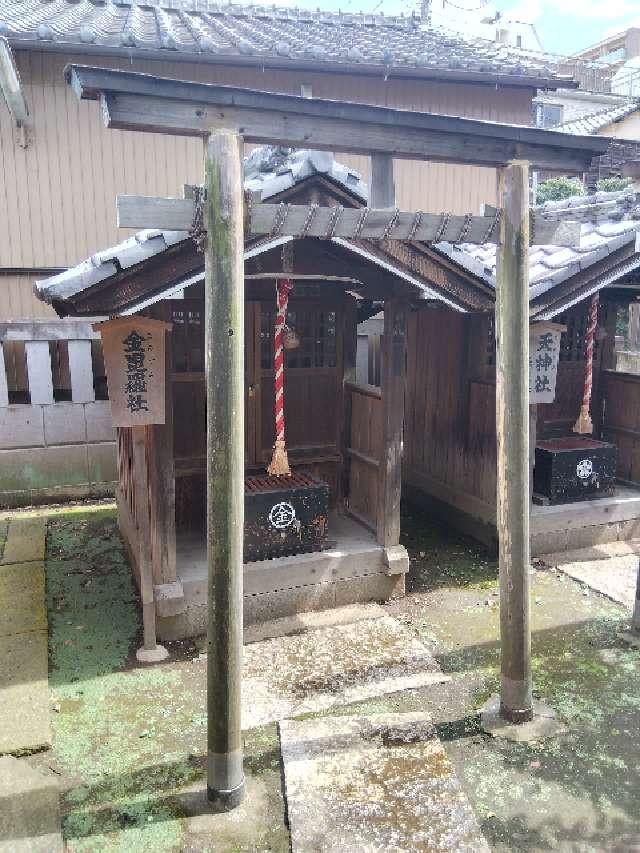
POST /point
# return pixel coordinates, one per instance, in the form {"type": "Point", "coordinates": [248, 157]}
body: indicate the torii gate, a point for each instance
{"type": "Point", "coordinates": [223, 116]}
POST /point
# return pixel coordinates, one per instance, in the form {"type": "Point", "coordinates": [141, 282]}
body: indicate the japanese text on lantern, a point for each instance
{"type": "Point", "coordinates": [544, 350]}
{"type": "Point", "coordinates": [134, 356]}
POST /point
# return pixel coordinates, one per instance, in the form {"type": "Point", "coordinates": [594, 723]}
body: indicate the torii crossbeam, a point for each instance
{"type": "Point", "coordinates": [223, 116]}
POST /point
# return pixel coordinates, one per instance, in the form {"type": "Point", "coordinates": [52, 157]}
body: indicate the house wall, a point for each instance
{"type": "Point", "coordinates": [61, 188]}
{"type": "Point", "coordinates": [628, 128]}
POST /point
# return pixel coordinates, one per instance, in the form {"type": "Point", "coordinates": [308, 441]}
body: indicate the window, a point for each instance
{"type": "Point", "coordinates": [548, 115]}
{"type": "Point", "coordinates": [187, 338]}
{"type": "Point", "coordinates": [316, 329]}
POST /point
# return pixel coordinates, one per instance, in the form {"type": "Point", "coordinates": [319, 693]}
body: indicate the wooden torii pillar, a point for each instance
{"type": "Point", "coordinates": [137, 101]}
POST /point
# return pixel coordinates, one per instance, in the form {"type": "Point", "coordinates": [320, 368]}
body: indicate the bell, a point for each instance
{"type": "Point", "coordinates": [290, 338]}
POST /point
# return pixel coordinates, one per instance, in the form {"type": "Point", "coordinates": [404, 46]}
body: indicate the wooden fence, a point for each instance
{"type": "Point", "coordinates": [364, 453]}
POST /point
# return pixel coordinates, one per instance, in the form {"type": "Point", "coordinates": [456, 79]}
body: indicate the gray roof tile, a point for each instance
{"type": "Point", "coordinates": [594, 122]}
{"type": "Point", "coordinates": [210, 30]}
{"type": "Point", "coordinates": [600, 234]}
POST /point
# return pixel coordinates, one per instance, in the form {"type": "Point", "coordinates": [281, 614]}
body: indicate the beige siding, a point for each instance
{"type": "Point", "coordinates": [628, 128]}
{"type": "Point", "coordinates": [18, 302]}
{"type": "Point", "coordinates": [60, 191]}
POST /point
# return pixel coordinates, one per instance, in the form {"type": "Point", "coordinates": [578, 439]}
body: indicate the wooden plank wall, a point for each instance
{"type": "Point", "coordinates": [364, 452]}
{"type": "Point", "coordinates": [449, 444]}
{"type": "Point", "coordinates": [621, 393]}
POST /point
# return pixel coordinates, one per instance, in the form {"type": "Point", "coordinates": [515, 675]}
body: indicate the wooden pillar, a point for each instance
{"type": "Point", "coordinates": [224, 348]}
{"type": "Point", "coordinates": [150, 652]}
{"type": "Point", "coordinates": [512, 423]}
{"type": "Point", "coordinates": [533, 431]}
{"type": "Point", "coordinates": [383, 190]}
{"type": "Point", "coordinates": [162, 484]}
{"type": "Point", "coordinates": [393, 386]}
{"type": "Point", "coordinates": [349, 345]}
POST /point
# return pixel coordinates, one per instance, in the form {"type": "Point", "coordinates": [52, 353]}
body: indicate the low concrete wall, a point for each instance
{"type": "Point", "coordinates": [56, 452]}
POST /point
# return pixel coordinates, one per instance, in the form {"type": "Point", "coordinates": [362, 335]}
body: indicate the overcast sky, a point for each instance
{"type": "Point", "coordinates": [564, 26]}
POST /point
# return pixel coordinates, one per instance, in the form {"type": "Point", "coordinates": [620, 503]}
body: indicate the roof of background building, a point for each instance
{"type": "Point", "coordinates": [199, 30]}
{"type": "Point", "coordinates": [592, 123]}
{"type": "Point", "coordinates": [609, 222]}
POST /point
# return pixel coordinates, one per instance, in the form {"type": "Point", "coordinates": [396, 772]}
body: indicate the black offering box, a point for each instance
{"type": "Point", "coordinates": [573, 469]}
{"type": "Point", "coordinates": [284, 515]}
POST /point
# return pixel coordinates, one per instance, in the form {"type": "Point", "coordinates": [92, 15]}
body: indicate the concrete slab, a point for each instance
{"type": "Point", "coordinates": [302, 622]}
{"type": "Point", "coordinates": [25, 540]}
{"type": "Point", "coordinates": [545, 723]}
{"type": "Point", "coordinates": [22, 576]}
{"type": "Point", "coordinates": [372, 784]}
{"type": "Point", "coordinates": [24, 693]}
{"type": "Point", "coordinates": [29, 809]}
{"type": "Point", "coordinates": [615, 577]}
{"type": "Point", "coordinates": [337, 665]}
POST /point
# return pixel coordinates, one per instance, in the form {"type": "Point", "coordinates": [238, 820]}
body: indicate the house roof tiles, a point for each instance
{"type": "Point", "coordinates": [594, 122]}
{"type": "Point", "coordinates": [210, 31]}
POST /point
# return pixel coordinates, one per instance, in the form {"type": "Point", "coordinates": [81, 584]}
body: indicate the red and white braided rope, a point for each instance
{"type": "Point", "coordinates": [588, 351]}
{"type": "Point", "coordinates": [584, 424]}
{"type": "Point", "coordinates": [284, 286]}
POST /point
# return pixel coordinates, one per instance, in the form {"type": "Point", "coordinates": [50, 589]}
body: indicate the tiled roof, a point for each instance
{"type": "Point", "coordinates": [272, 169]}
{"type": "Point", "coordinates": [211, 31]}
{"type": "Point", "coordinates": [609, 221]}
{"type": "Point", "coordinates": [591, 124]}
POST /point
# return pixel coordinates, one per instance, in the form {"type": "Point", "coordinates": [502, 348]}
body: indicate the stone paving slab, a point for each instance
{"type": "Point", "coordinates": [615, 577]}
{"type": "Point", "coordinates": [24, 693]}
{"type": "Point", "coordinates": [24, 688]}
{"type": "Point", "coordinates": [373, 784]}
{"type": "Point", "coordinates": [29, 809]}
{"type": "Point", "coordinates": [25, 540]}
{"type": "Point", "coordinates": [336, 665]}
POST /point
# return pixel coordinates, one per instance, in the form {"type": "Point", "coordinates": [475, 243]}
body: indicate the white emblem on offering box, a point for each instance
{"type": "Point", "coordinates": [544, 351]}
{"type": "Point", "coordinates": [584, 469]}
{"type": "Point", "coordinates": [133, 349]}
{"type": "Point", "coordinates": [282, 515]}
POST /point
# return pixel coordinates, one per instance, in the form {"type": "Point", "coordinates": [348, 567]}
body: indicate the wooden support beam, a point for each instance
{"type": "Point", "coordinates": [382, 185]}
{"type": "Point", "coordinates": [224, 367]}
{"type": "Point", "coordinates": [136, 101]}
{"type": "Point", "coordinates": [151, 652]}
{"type": "Point", "coordinates": [393, 387]}
{"type": "Point", "coordinates": [375, 223]}
{"type": "Point", "coordinates": [512, 424]}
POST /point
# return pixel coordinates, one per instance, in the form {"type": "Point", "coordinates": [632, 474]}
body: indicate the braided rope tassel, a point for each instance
{"type": "Point", "coordinates": [584, 424]}
{"type": "Point", "coordinates": [279, 466]}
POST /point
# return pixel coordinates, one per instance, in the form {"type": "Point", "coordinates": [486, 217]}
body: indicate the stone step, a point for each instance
{"type": "Point", "coordinates": [379, 782]}
{"type": "Point", "coordinates": [29, 809]}
{"type": "Point", "coordinates": [604, 551]}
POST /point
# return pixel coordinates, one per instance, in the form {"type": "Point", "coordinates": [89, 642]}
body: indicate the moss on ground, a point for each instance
{"type": "Point", "coordinates": [130, 741]}
{"type": "Point", "coordinates": [440, 557]}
